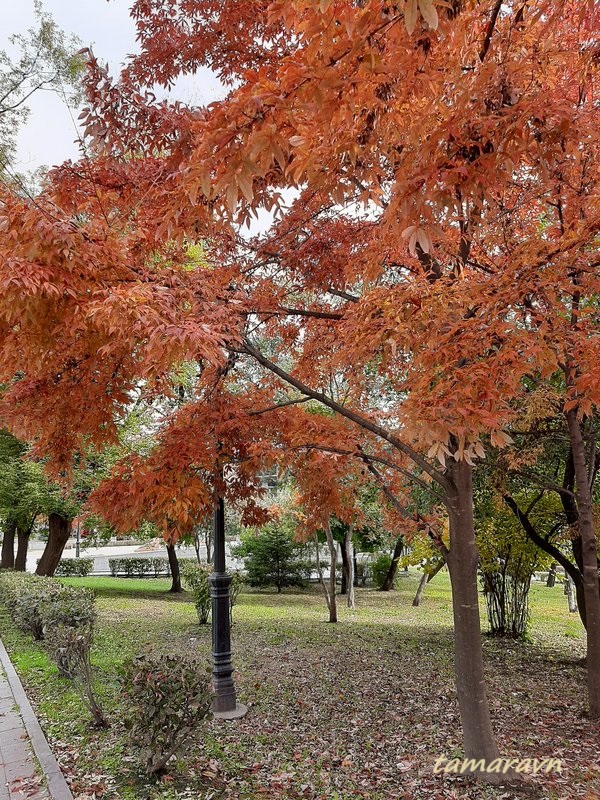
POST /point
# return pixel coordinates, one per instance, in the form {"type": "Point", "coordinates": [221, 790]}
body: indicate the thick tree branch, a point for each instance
{"type": "Point", "coordinates": [300, 312]}
{"type": "Point", "coordinates": [542, 543]}
{"type": "Point", "coordinates": [423, 524]}
{"type": "Point", "coordinates": [351, 298]}
{"type": "Point", "coordinates": [358, 419]}
{"type": "Point", "coordinates": [490, 30]}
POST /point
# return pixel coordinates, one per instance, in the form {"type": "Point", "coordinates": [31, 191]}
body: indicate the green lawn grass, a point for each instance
{"type": "Point", "coordinates": [358, 709]}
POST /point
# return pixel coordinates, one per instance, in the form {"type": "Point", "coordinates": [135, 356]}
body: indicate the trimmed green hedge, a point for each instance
{"type": "Point", "coordinates": [136, 567]}
{"type": "Point", "coordinates": [74, 567]}
{"type": "Point", "coordinates": [37, 603]}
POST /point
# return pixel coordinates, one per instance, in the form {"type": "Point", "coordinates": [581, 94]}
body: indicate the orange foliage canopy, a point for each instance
{"type": "Point", "coordinates": [433, 173]}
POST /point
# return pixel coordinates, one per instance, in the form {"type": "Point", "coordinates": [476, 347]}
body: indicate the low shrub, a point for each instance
{"type": "Point", "coordinates": [37, 603]}
{"type": "Point", "coordinates": [380, 568]}
{"type": "Point", "coordinates": [11, 584]}
{"type": "Point", "coordinates": [236, 586]}
{"type": "Point", "coordinates": [168, 695]}
{"type": "Point", "coordinates": [74, 567]}
{"type": "Point", "coordinates": [70, 647]}
{"type": "Point", "coordinates": [196, 577]}
{"type": "Point", "coordinates": [31, 601]}
{"type": "Point", "coordinates": [70, 606]}
{"type": "Point", "coordinates": [64, 617]}
{"type": "Point", "coordinates": [68, 620]}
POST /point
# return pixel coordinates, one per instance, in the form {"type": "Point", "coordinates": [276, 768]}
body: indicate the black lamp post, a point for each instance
{"type": "Point", "coordinates": [225, 705]}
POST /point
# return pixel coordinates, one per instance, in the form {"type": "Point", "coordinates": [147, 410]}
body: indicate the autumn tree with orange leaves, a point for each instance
{"type": "Point", "coordinates": [433, 177]}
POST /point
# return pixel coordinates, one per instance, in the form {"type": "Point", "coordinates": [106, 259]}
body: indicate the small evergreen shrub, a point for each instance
{"type": "Point", "coordinates": [196, 577]}
{"type": "Point", "coordinates": [380, 568]}
{"type": "Point", "coordinates": [74, 567]}
{"type": "Point", "coordinates": [68, 618]}
{"type": "Point", "coordinates": [272, 555]}
{"type": "Point", "coordinates": [168, 695]}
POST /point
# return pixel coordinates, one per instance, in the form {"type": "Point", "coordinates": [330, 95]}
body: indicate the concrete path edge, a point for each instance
{"type": "Point", "coordinates": [55, 780]}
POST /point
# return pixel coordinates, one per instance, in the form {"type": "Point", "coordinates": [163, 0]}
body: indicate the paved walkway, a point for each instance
{"type": "Point", "coordinates": [28, 770]}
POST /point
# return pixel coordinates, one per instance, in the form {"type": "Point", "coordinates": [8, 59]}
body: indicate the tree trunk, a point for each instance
{"type": "Point", "coordinates": [570, 592]}
{"type": "Point", "coordinates": [420, 589]}
{"type": "Point", "coordinates": [425, 578]}
{"type": "Point", "coordinates": [551, 579]}
{"type": "Point", "coordinates": [174, 567]}
{"type": "Point", "coordinates": [332, 544]}
{"type": "Point", "coordinates": [344, 554]}
{"type": "Point", "coordinates": [208, 537]}
{"type": "Point", "coordinates": [388, 583]}
{"type": "Point", "coordinates": [196, 542]}
{"type": "Point", "coordinates": [355, 566]}
{"type": "Point", "coordinates": [23, 544]}
{"type": "Point", "coordinates": [8, 546]}
{"type": "Point", "coordinates": [478, 737]}
{"type": "Point", "coordinates": [328, 597]}
{"type": "Point", "coordinates": [347, 548]}
{"type": "Point", "coordinates": [59, 530]}
{"type": "Point", "coordinates": [589, 548]}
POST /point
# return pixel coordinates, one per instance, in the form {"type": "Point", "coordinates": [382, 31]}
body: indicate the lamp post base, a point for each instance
{"type": "Point", "coordinates": [238, 712]}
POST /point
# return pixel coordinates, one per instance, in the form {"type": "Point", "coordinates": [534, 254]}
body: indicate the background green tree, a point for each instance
{"type": "Point", "coordinates": [43, 58]}
{"type": "Point", "coordinates": [272, 556]}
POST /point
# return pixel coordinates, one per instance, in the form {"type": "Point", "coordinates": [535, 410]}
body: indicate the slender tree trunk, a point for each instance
{"type": "Point", "coordinates": [420, 589]}
{"type": "Point", "coordinates": [8, 546]}
{"type": "Point", "coordinates": [23, 544]}
{"type": "Point", "coordinates": [174, 567]}
{"type": "Point", "coordinates": [347, 547]}
{"type": "Point", "coordinates": [425, 578]}
{"type": "Point", "coordinates": [478, 737]}
{"type": "Point", "coordinates": [59, 530]}
{"type": "Point", "coordinates": [344, 555]}
{"type": "Point", "coordinates": [570, 592]}
{"type": "Point", "coordinates": [332, 544]}
{"type": "Point", "coordinates": [589, 547]}
{"type": "Point", "coordinates": [355, 566]}
{"type": "Point", "coordinates": [390, 578]}
{"type": "Point", "coordinates": [328, 597]}
{"type": "Point", "coordinates": [208, 537]}
{"type": "Point", "coordinates": [197, 547]}
{"type": "Point", "coordinates": [551, 579]}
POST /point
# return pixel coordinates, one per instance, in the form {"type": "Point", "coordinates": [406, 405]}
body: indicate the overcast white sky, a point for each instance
{"type": "Point", "coordinates": [50, 134]}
